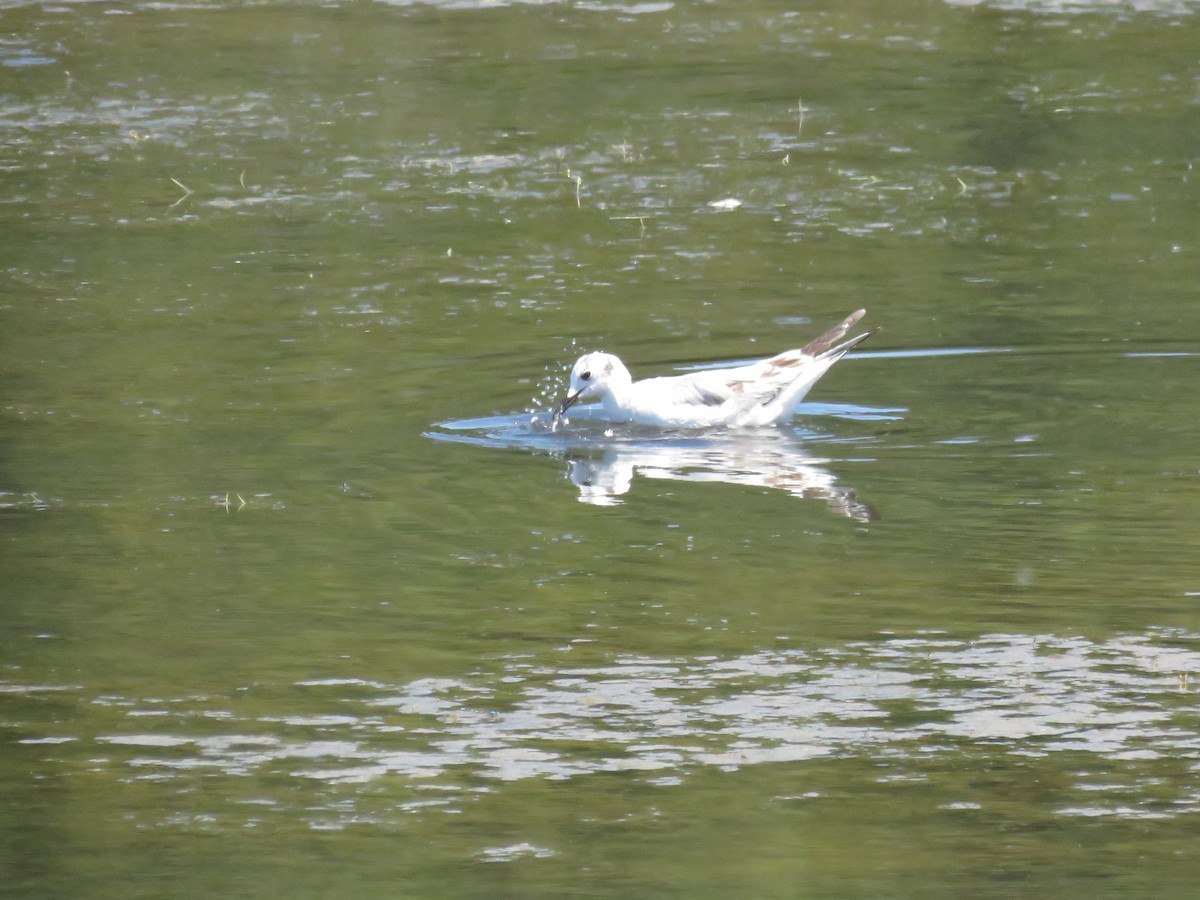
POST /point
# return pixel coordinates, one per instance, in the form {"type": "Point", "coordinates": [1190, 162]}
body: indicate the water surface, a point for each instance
{"type": "Point", "coordinates": [299, 596]}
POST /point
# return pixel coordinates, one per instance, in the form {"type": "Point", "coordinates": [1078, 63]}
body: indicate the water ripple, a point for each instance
{"type": "Point", "coordinates": [1127, 700]}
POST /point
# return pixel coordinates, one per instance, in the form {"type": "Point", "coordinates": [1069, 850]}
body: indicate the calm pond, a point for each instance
{"type": "Point", "coordinates": [303, 597]}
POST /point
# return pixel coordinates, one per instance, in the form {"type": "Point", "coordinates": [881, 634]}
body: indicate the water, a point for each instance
{"type": "Point", "coordinates": [301, 594]}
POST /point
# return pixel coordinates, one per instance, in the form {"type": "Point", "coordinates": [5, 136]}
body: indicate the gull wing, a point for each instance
{"type": "Point", "coordinates": [762, 381]}
{"type": "Point", "coordinates": [826, 341]}
{"type": "Point", "coordinates": [760, 393]}
{"type": "Point", "coordinates": [697, 389]}
{"type": "Point", "coordinates": [788, 376]}
{"type": "Point", "coordinates": [741, 386]}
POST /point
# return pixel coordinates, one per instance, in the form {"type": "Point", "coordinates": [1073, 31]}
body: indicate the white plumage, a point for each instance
{"type": "Point", "coordinates": [763, 393]}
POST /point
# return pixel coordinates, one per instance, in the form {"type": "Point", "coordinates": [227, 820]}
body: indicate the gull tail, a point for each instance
{"type": "Point", "coordinates": [786, 379]}
{"type": "Point", "coordinates": [833, 354]}
{"type": "Point", "coordinates": [827, 346]}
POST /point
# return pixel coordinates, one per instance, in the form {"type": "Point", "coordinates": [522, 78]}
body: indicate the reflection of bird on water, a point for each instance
{"type": "Point", "coordinates": [774, 461]}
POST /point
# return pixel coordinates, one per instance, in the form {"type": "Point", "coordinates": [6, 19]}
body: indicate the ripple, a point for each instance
{"type": "Point", "coordinates": [1123, 701]}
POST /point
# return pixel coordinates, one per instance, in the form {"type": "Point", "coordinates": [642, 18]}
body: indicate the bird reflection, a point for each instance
{"type": "Point", "coordinates": [759, 460]}
{"type": "Point", "coordinates": [604, 460]}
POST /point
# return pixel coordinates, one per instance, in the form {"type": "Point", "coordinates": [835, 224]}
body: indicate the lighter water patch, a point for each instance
{"type": "Point", "coordinates": [901, 701]}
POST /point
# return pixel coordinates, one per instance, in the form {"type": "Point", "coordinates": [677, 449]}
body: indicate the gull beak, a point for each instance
{"type": "Point", "coordinates": [570, 401]}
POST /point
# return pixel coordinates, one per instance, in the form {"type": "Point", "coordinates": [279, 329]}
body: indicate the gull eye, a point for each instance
{"type": "Point", "coordinates": [586, 376]}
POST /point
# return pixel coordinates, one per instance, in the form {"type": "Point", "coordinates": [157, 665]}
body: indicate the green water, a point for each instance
{"type": "Point", "coordinates": [294, 603]}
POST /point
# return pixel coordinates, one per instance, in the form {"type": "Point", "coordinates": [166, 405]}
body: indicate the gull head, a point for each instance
{"type": "Point", "coordinates": [594, 376]}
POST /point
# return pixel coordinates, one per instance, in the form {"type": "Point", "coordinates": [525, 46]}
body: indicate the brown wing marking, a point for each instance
{"type": "Point", "coordinates": [831, 337]}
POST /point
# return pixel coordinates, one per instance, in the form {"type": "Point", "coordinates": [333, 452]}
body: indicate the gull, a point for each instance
{"type": "Point", "coordinates": [762, 393]}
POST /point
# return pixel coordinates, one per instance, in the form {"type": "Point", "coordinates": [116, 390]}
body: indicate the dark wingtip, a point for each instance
{"type": "Point", "coordinates": [835, 334]}
{"type": "Point", "coordinates": [840, 350]}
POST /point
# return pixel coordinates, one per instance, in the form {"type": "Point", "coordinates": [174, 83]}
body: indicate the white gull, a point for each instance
{"type": "Point", "coordinates": [762, 393]}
